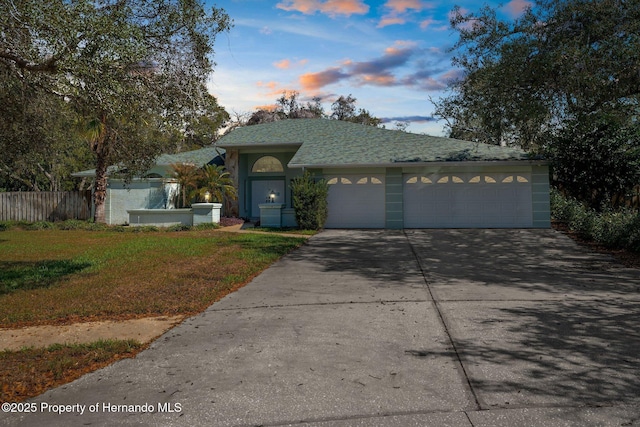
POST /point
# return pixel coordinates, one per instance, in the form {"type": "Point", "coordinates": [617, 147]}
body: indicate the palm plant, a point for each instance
{"type": "Point", "coordinates": [188, 176]}
{"type": "Point", "coordinates": [217, 182]}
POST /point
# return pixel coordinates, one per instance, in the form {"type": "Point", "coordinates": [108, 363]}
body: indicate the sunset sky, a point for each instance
{"type": "Point", "coordinates": [390, 55]}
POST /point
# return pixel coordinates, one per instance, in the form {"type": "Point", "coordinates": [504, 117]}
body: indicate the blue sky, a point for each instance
{"type": "Point", "coordinates": [391, 55]}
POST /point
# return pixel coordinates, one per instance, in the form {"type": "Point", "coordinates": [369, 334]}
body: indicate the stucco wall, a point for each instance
{"type": "Point", "coordinates": [152, 193]}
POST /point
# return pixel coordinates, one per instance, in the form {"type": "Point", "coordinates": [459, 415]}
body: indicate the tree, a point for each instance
{"type": "Point", "coordinates": [135, 71]}
{"type": "Point", "coordinates": [217, 182]}
{"type": "Point", "coordinates": [541, 81]}
{"type": "Point", "coordinates": [344, 108]}
{"type": "Point", "coordinates": [288, 107]}
{"type": "Point", "coordinates": [188, 177]}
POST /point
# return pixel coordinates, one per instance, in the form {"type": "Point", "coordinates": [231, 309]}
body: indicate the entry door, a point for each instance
{"type": "Point", "coordinates": [260, 192]}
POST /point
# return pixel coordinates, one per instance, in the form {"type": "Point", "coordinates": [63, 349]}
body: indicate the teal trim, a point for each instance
{"type": "Point", "coordinates": [394, 216]}
{"type": "Point", "coordinates": [540, 199]}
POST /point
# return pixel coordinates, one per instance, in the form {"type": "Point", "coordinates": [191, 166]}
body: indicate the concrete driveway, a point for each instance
{"type": "Point", "coordinates": [385, 328]}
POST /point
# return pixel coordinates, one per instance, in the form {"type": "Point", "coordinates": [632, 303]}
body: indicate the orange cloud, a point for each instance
{"type": "Point", "coordinates": [283, 65]}
{"type": "Point", "coordinates": [269, 85]}
{"type": "Point", "coordinates": [379, 80]}
{"type": "Point", "coordinates": [329, 7]}
{"type": "Point", "coordinates": [314, 81]}
{"type": "Point", "coordinates": [268, 107]}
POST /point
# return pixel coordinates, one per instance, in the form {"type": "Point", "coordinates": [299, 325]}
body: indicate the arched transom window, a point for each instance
{"type": "Point", "coordinates": [267, 164]}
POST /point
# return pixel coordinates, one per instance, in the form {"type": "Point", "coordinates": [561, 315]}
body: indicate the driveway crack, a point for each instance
{"type": "Point", "coordinates": [436, 306]}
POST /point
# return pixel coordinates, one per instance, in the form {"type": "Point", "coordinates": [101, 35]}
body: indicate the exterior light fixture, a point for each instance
{"type": "Point", "coordinates": [272, 196]}
{"type": "Point", "coordinates": [207, 197]}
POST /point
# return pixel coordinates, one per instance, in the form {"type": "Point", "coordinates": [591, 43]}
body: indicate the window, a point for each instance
{"type": "Point", "coordinates": [267, 164]}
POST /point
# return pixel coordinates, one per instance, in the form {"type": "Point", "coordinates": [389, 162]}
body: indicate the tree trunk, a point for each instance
{"type": "Point", "coordinates": [100, 190]}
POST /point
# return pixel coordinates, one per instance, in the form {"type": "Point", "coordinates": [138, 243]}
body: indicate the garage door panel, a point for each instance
{"type": "Point", "coordinates": [467, 200]}
{"type": "Point", "coordinates": [356, 201]}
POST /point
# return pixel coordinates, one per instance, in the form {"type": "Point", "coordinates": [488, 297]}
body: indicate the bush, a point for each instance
{"type": "Point", "coordinates": [310, 201]}
{"type": "Point", "coordinates": [41, 225]}
{"type": "Point", "coordinates": [612, 228]}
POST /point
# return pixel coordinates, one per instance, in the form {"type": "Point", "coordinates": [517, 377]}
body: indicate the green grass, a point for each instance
{"type": "Point", "coordinates": [15, 276]}
{"type": "Point", "coordinates": [52, 275]}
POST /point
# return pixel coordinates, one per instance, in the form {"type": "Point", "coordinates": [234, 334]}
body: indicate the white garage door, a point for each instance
{"type": "Point", "coordinates": [471, 200]}
{"type": "Point", "coordinates": [356, 201]}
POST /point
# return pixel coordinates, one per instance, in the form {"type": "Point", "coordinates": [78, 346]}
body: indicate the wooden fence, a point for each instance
{"type": "Point", "coordinates": [45, 205]}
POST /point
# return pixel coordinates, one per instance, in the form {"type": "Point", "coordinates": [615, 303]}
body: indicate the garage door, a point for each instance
{"type": "Point", "coordinates": [356, 201]}
{"type": "Point", "coordinates": [467, 200]}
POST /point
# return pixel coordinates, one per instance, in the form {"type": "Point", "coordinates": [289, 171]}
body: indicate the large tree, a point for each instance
{"type": "Point", "coordinates": [134, 71]}
{"type": "Point", "coordinates": [564, 71]}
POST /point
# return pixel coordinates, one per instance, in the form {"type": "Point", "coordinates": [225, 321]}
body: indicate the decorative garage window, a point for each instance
{"type": "Point", "coordinates": [517, 178]}
{"type": "Point", "coordinates": [423, 179]}
{"type": "Point", "coordinates": [343, 180]}
{"type": "Point", "coordinates": [470, 179]}
{"type": "Point", "coordinates": [346, 181]}
{"type": "Point", "coordinates": [267, 164]}
{"type": "Point", "coordinates": [369, 180]}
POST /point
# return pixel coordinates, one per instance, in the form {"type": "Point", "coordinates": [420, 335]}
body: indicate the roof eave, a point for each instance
{"type": "Point", "coordinates": [511, 162]}
{"type": "Point", "coordinates": [260, 145]}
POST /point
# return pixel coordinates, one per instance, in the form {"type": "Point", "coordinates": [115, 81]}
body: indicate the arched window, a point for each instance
{"type": "Point", "coordinates": [267, 164]}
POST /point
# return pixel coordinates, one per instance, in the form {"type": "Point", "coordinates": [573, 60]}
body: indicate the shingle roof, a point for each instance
{"type": "Point", "coordinates": [328, 143]}
{"type": "Point", "coordinates": [199, 157]}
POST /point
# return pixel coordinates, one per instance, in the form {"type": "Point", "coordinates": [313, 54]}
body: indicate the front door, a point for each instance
{"type": "Point", "coordinates": [261, 191]}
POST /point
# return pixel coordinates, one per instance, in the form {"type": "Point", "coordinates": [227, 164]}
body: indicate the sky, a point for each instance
{"type": "Point", "coordinates": [392, 56]}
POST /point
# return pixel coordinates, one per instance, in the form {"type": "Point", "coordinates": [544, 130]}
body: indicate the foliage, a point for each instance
{"type": "Point", "coordinates": [188, 177]}
{"type": "Point", "coordinates": [310, 201]}
{"type": "Point", "coordinates": [288, 106]}
{"type": "Point", "coordinates": [344, 108]}
{"type": "Point", "coordinates": [133, 71]}
{"type": "Point", "coordinates": [561, 77]}
{"type": "Point", "coordinates": [217, 182]}
{"type": "Point", "coordinates": [597, 160]}
{"type": "Point", "coordinates": [612, 228]}
{"type": "Point", "coordinates": [195, 182]}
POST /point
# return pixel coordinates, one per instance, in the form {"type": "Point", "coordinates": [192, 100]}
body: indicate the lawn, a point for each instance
{"type": "Point", "coordinates": [62, 276]}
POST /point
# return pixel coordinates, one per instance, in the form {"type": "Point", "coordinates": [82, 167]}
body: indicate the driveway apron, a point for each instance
{"type": "Point", "coordinates": [390, 328]}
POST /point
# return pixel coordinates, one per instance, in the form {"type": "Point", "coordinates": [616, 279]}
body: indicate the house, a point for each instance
{"type": "Point", "coordinates": [382, 178]}
{"type": "Point", "coordinates": [157, 189]}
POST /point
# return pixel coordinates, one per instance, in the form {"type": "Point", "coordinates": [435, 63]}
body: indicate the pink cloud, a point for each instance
{"type": "Point", "coordinates": [401, 6]}
{"type": "Point", "coordinates": [391, 20]}
{"type": "Point", "coordinates": [515, 8]}
{"type": "Point", "coordinates": [329, 7]}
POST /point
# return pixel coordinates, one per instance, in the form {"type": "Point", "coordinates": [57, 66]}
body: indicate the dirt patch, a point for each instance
{"type": "Point", "coordinates": [142, 330]}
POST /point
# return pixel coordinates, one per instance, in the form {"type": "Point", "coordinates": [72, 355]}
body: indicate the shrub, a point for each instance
{"type": "Point", "coordinates": [178, 227]}
{"type": "Point", "coordinates": [310, 201]}
{"type": "Point", "coordinates": [206, 226]}
{"type": "Point", "coordinates": [612, 228]}
{"type": "Point", "coordinates": [41, 225]}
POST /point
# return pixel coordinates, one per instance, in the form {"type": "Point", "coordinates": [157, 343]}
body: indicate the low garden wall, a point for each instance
{"type": "Point", "coordinates": [199, 213]}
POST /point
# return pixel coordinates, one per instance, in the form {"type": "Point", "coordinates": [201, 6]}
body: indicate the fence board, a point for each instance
{"type": "Point", "coordinates": [45, 205]}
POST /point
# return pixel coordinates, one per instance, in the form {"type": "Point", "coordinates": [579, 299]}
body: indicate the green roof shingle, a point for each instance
{"type": "Point", "coordinates": [329, 143]}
